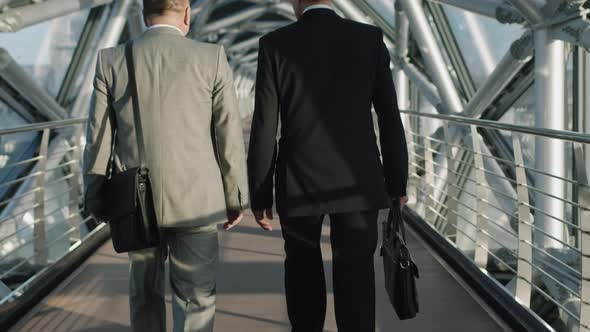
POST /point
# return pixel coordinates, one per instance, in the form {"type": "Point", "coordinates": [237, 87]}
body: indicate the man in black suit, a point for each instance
{"type": "Point", "coordinates": [320, 76]}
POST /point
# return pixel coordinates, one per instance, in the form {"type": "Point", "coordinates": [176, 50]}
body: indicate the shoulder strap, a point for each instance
{"type": "Point", "coordinates": [135, 102]}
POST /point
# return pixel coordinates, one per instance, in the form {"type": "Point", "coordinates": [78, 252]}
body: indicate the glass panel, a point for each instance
{"type": "Point", "coordinates": [13, 148]}
{"type": "Point", "coordinates": [482, 40]}
{"type": "Point", "coordinates": [522, 113]}
{"type": "Point", "coordinates": [385, 8]}
{"type": "Point", "coordinates": [46, 49]}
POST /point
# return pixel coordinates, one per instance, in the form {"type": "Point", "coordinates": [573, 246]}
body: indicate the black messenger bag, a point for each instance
{"type": "Point", "coordinates": [128, 194]}
{"type": "Point", "coordinates": [400, 270]}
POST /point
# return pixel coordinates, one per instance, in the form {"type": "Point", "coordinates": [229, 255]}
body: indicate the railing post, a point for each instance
{"type": "Point", "coordinates": [75, 191]}
{"type": "Point", "coordinates": [429, 187]}
{"type": "Point", "coordinates": [481, 240]}
{"type": "Point", "coordinates": [584, 201]}
{"type": "Point", "coordinates": [412, 183]}
{"type": "Point", "coordinates": [525, 231]}
{"type": "Point", "coordinates": [452, 188]}
{"type": "Point", "coordinates": [40, 241]}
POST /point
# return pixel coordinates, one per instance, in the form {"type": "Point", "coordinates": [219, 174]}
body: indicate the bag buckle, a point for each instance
{"type": "Point", "coordinates": [143, 173]}
{"type": "Point", "coordinates": [405, 259]}
{"type": "Point", "coordinates": [404, 264]}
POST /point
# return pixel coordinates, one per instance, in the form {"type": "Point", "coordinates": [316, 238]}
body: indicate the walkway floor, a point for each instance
{"type": "Point", "coordinates": [250, 292]}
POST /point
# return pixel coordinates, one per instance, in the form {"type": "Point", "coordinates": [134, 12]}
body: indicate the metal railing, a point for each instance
{"type": "Point", "coordinates": [40, 214]}
{"type": "Point", "coordinates": [460, 188]}
{"type": "Point", "coordinates": [487, 207]}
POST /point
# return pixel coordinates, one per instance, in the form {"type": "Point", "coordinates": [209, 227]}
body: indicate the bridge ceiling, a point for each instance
{"type": "Point", "coordinates": [238, 24]}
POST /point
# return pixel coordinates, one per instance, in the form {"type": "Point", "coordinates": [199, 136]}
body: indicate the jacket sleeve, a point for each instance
{"type": "Point", "coordinates": [228, 135]}
{"type": "Point", "coordinates": [262, 152]}
{"type": "Point", "coordinates": [99, 141]}
{"type": "Point", "coordinates": [391, 131]}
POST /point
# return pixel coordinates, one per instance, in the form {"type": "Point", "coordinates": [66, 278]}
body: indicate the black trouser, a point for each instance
{"type": "Point", "coordinates": [354, 240]}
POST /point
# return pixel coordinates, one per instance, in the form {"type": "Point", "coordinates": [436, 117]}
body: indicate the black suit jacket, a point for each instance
{"type": "Point", "coordinates": [320, 76]}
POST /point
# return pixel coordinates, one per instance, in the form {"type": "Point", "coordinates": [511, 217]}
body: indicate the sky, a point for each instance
{"type": "Point", "coordinates": [24, 45]}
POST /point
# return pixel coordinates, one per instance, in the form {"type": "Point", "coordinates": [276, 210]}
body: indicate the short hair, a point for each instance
{"type": "Point", "coordinates": [160, 7]}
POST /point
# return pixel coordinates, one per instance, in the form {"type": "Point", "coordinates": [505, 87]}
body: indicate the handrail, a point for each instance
{"type": "Point", "coordinates": [55, 168]}
{"type": "Point", "coordinates": [565, 135]}
{"type": "Point", "coordinates": [42, 126]}
{"type": "Point", "coordinates": [441, 171]}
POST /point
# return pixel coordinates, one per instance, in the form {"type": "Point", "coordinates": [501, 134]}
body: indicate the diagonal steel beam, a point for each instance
{"type": "Point", "coordinates": [511, 64]}
{"type": "Point", "coordinates": [109, 38]}
{"type": "Point", "coordinates": [248, 57]}
{"type": "Point", "coordinates": [453, 50]}
{"type": "Point", "coordinates": [18, 79]}
{"type": "Point", "coordinates": [403, 69]}
{"type": "Point", "coordinates": [135, 21]}
{"type": "Point", "coordinates": [354, 12]}
{"type": "Point", "coordinates": [206, 7]}
{"type": "Point", "coordinates": [284, 9]}
{"type": "Point", "coordinates": [402, 83]}
{"type": "Point", "coordinates": [426, 88]}
{"type": "Point", "coordinates": [87, 37]}
{"type": "Point", "coordinates": [496, 9]}
{"type": "Point", "coordinates": [12, 100]}
{"type": "Point", "coordinates": [245, 44]}
{"type": "Point", "coordinates": [16, 19]}
{"type": "Point", "coordinates": [351, 11]}
{"type": "Point", "coordinates": [432, 55]}
{"type": "Point", "coordinates": [234, 19]}
{"type": "Point", "coordinates": [530, 9]}
{"type": "Point", "coordinates": [389, 29]}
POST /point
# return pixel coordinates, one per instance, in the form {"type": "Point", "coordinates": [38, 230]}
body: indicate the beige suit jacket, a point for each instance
{"type": "Point", "coordinates": [191, 124]}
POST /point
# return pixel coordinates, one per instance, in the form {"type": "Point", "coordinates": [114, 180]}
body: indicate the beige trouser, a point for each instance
{"type": "Point", "coordinates": [193, 256]}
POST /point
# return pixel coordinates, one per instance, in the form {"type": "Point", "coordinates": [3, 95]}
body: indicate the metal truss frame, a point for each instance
{"type": "Point", "coordinates": [436, 73]}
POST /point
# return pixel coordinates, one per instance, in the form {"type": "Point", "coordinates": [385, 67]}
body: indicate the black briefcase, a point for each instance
{"type": "Point", "coordinates": [400, 270]}
{"type": "Point", "coordinates": [128, 194]}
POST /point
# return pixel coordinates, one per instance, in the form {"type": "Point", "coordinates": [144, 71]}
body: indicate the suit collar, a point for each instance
{"type": "Point", "coordinates": [162, 30]}
{"type": "Point", "coordinates": [318, 13]}
{"type": "Point", "coordinates": [156, 26]}
{"type": "Point", "coordinates": [316, 7]}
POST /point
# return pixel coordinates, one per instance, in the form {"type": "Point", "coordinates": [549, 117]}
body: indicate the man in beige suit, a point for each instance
{"type": "Point", "coordinates": [194, 151]}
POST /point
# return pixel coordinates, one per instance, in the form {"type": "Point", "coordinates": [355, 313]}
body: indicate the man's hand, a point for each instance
{"type": "Point", "coordinates": [233, 219]}
{"type": "Point", "coordinates": [263, 219]}
{"type": "Point", "coordinates": [403, 201]}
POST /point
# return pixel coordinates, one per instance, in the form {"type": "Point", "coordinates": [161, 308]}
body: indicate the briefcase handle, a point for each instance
{"type": "Point", "coordinates": [396, 221]}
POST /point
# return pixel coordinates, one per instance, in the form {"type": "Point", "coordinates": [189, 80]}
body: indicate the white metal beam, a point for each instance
{"type": "Point", "coordinates": [352, 12]}
{"type": "Point", "coordinates": [22, 17]}
{"type": "Point", "coordinates": [432, 55]}
{"type": "Point", "coordinates": [109, 38]}
{"type": "Point", "coordinates": [135, 19]}
{"type": "Point", "coordinates": [516, 58]}
{"type": "Point", "coordinates": [237, 18]}
{"type": "Point", "coordinates": [25, 85]}
{"type": "Point", "coordinates": [489, 8]}
{"type": "Point", "coordinates": [244, 44]}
